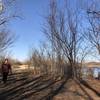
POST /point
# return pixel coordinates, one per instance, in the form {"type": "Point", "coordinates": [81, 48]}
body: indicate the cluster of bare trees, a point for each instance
{"type": "Point", "coordinates": [69, 42]}
{"type": "Point", "coordinates": [6, 14]}
{"type": "Point", "coordinates": [63, 30]}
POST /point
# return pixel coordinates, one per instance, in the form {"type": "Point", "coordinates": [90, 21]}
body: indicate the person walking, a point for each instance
{"type": "Point", "coordinates": [5, 69]}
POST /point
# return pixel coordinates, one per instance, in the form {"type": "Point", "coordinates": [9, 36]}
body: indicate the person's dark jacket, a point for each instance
{"type": "Point", "coordinates": [5, 68]}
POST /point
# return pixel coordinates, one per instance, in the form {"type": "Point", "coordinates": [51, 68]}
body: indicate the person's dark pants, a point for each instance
{"type": "Point", "coordinates": [5, 75]}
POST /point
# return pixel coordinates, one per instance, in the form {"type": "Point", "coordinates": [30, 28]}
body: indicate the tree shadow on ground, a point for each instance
{"type": "Point", "coordinates": [91, 88]}
{"type": "Point", "coordinates": [14, 86]}
{"type": "Point", "coordinates": [54, 92]}
{"type": "Point", "coordinates": [20, 87]}
{"type": "Point", "coordinates": [86, 93]}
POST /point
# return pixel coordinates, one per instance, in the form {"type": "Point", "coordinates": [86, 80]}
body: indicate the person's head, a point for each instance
{"type": "Point", "coordinates": [6, 61]}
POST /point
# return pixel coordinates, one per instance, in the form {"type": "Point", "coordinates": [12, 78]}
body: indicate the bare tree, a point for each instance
{"type": "Point", "coordinates": [6, 15]}
{"type": "Point", "coordinates": [6, 40]}
{"type": "Point", "coordinates": [62, 29]}
{"type": "Point", "coordinates": [93, 33]}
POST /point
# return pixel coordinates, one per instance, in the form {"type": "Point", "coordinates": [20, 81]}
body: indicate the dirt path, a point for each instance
{"type": "Point", "coordinates": [73, 90]}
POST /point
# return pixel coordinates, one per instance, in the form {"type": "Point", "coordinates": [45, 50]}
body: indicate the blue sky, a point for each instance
{"type": "Point", "coordinates": [29, 30]}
